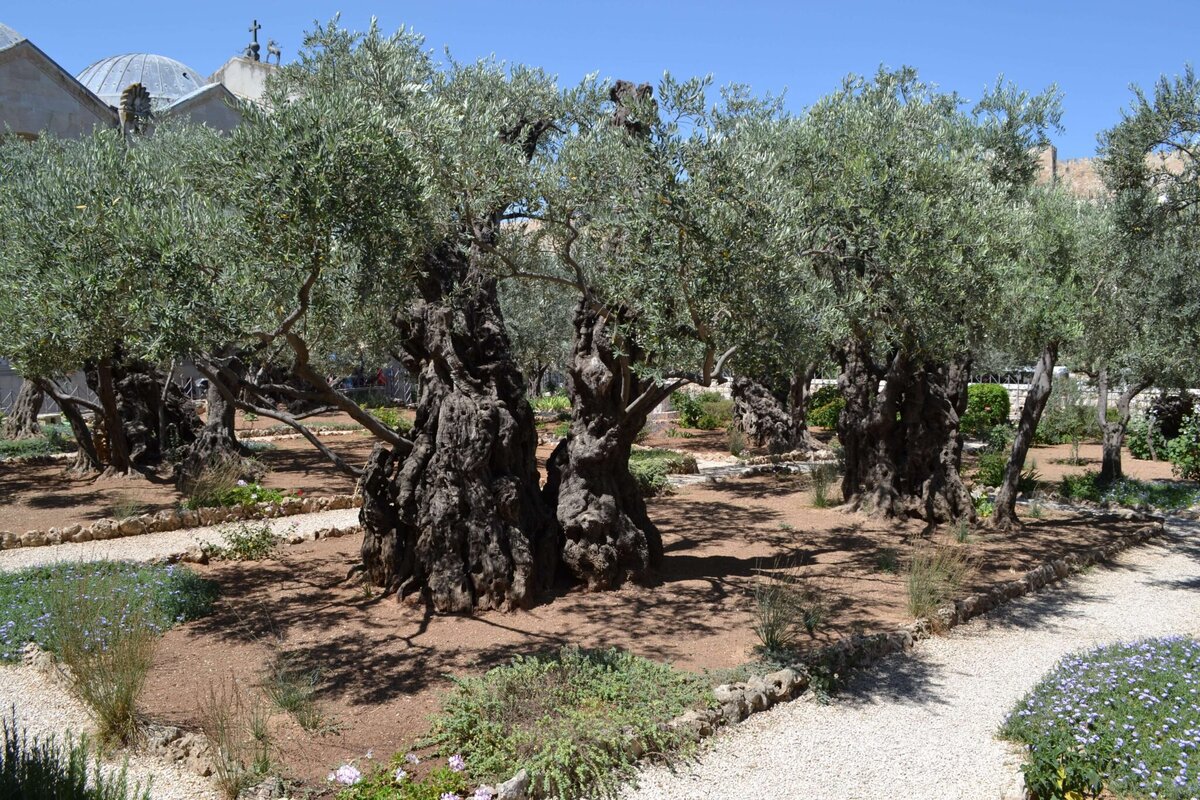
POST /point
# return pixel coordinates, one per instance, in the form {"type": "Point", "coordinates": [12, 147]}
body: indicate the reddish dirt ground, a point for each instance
{"type": "Point", "coordinates": [384, 664]}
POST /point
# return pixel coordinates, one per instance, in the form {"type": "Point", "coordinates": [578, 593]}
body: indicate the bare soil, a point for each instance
{"type": "Point", "coordinates": [384, 664]}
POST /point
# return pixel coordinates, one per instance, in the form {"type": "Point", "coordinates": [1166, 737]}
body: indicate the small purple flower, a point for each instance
{"type": "Point", "coordinates": [457, 763]}
{"type": "Point", "coordinates": [483, 794]}
{"type": "Point", "coordinates": [399, 774]}
{"type": "Point", "coordinates": [449, 796]}
{"type": "Point", "coordinates": [347, 775]}
{"type": "Point", "coordinates": [412, 759]}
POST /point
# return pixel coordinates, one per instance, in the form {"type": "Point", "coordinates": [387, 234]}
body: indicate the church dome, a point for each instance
{"type": "Point", "coordinates": [8, 37]}
{"type": "Point", "coordinates": [166, 79]}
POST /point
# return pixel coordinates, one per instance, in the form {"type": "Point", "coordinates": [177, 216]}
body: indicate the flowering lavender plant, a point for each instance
{"type": "Point", "coordinates": [1125, 716]}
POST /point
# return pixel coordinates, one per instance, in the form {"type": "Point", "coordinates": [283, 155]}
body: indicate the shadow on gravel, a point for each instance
{"type": "Point", "coordinates": [902, 677]}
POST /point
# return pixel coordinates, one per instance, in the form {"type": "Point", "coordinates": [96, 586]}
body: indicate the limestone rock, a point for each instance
{"type": "Point", "coordinates": [194, 555]}
{"type": "Point", "coordinates": [515, 788]}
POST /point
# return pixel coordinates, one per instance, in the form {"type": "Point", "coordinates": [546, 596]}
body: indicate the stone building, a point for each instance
{"type": "Point", "coordinates": [38, 96]}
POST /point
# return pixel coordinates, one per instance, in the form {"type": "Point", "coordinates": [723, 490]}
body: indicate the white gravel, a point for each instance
{"type": "Point", "coordinates": [157, 546]}
{"type": "Point", "coordinates": [923, 725]}
{"type": "Point", "coordinates": [44, 709]}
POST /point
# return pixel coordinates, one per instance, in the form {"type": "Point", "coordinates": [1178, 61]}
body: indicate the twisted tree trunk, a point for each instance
{"type": "Point", "coordinates": [934, 401]}
{"type": "Point", "coordinates": [867, 429]}
{"type": "Point", "coordinates": [762, 417]}
{"type": "Point", "coordinates": [1113, 433]}
{"type": "Point", "coordinates": [608, 537]}
{"type": "Point", "coordinates": [799, 394]}
{"type": "Point", "coordinates": [217, 441]}
{"type": "Point", "coordinates": [87, 460]}
{"type": "Point", "coordinates": [1005, 515]}
{"type": "Point", "coordinates": [22, 419]}
{"type": "Point", "coordinates": [458, 517]}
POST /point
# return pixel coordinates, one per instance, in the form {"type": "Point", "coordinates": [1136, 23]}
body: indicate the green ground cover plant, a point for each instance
{"type": "Point", "coordinates": [566, 717]}
{"type": "Point", "coordinates": [33, 768]}
{"type": "Point", "coordinates": [53, 439]}
{"type": "Point", "coordinates": [651, 467]}
{"type": "Point", "coordinates": [1129, 492]}
{"type": "Point", "coordinates": [1121, 718]}
{"type": "Point", "coordinates": [245, 541]}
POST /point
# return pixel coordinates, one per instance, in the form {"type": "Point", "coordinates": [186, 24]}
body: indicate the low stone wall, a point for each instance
{"type": "Point", "coordinates": [737, 701]}
{"type": "Point", "coordinates": [174, 520]}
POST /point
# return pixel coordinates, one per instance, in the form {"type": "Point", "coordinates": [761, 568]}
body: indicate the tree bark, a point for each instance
{"type": "Point", "coordinates": [217, 441]}
{"type": "Point", "coordinates": [22, 419]}
{"type": "Point", "coordinates": [935, 399]}
{"type": "Point", "coordinates": [459, 517]}
{"type": "Point", "coordinates": [799, 394]}
{"type": "Point", "coordinates": [867, 429]}
{"type": "Point", "coordinates": [87, 460]}
{"type": "Point", "coordinates": [608, 538]}
{"type": "Point", "coordinates": [762, 417]}
{"type": "Point", "coordinates": [1005, 515]}
{"type": "Point", "coordinates": [1113, 433]}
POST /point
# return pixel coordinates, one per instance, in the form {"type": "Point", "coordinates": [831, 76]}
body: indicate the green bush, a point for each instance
{"type": "Point", "coordinates": [707, 411]}
{"type": "Point", "coordinates": [566, 719]}
{"type": "Point", "coordinates": [650, 469]}
{"type": "Point", "coordinates": [825, 406]}
{"type": "Point", "coordinates": [688, 407]}
{"type": "Point", "coordinates": [1120, 719]}
{"type": "Point", "coordinates": [383, 785]}
{"type": "Point", "coordinates": [245, 541]}
{"type": "Point", "coordinates": [784, 606]}
{"type": "Point", "coordinates": [240, 494]}
{"type": "Point", "coordinates": [393, 419]}
{"type": "Point", "coordinates": [562, 430]}
{"type": "Point", "coordinates": [1184, 450]}
{"type": "Point", "coordinates": [166, 594]}
{"type": "Point", "coordinates": [990, 471]}
{"type": "Point", "coordinates": [1138, 438]}
{"type": "Point", "coordinates": [554, 402]}
{"type": "Point", "coordinates": [52, 439]}
{"type": "Point", "coordinates": [1067, 418]}
{"type": "Point", "coordinates": [1000, 438]}
{"type": "Point", "coordinates": [987, 406]}
{"type": "Point", "coordinates": [1128, 492]}
{"type": "Point", "coordinates": [32, 768]}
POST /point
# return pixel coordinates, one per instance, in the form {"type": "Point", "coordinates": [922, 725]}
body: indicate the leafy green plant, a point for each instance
{"type": "Point", "coordinates": [52, 439]}
{"type": "Point", "coordinates": [241, 493]}
{"type": "Point", "coordinates": [293, 688]}
{"type": "Point", "coordinates": [1145, 440]}
{"type": "Point", "coordinates": [784, 605]}
{"type": "Point", "coordinates": [33, 768]}
{"type": "Point", "coordinates": [245, 541]}
{"type": "Point", "coordinates": [382, 783]}
{"type": "Point", "coordinates": [124, 507]}
{"type": "Point", "coordinates": [935, 574]}
{"type": "Point", "coordinates": [987, 406]}
{"type": "Point", "coordinates": [707, 411]}
{"type": "Point", "coordinates": [688, 407]}
{"type": "Point", "coordinates": [562, 430]}
{"type": "Point", "coordinates": [1184, 450]}
{"type": "Point", "coordinates": [554, 402]}
{"type": "Point", "coordinates": [1067, 417]}
{"type": "Point", "coordinates": [393, 419]}
{"type": "Point", "coordinates": [1129, 492]}
{"type": "Point", "coordinates": [650, 468]}
{"type": "Point", "coordinates": [240, 746]}
{"type": "Point", "coordinates": [984, 507]}
{"type": "Point", "coordinates": [1115, 719]}
{"type": "Point", "coordinates": [990, 471]}
{"type": "Point", "coordinates": [567, 719]}
{"type": "Point", "coordinates": [825, 406]}
{"type": "Point", "coordinates": [1000, 438]}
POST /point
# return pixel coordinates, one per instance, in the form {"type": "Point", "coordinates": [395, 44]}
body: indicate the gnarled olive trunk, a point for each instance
{"type": "Point", "coordinates": [1113, 433]}
{"type": "Point", "coordinates": [137, 405]}
{"type": "Point", "coordinates": [459, 517]}
{"type": "Point", "coordinates": [608, 537]}
{"type": "Point", "coordinates": [799, 395]}
{"type": "Point", "coordinates": [87, 460]}
{"type": "Point", "coordinates": [935, 399]}
{"type": "Point", "coordinates": [1005, 515]}
{"type": "Point", "coordinates": [899, 430]}
{"type": "Point", "coordinates": [21, 421]}
{"type": "Point", "coordinates": [217, 441]}
{"type": "Point", "coordinates": [762, 417]}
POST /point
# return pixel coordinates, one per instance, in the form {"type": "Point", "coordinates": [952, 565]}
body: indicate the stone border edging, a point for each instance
{"type": "Point", "coordinates": [737, 701]}
{"type": "Point", "coordinates": [174, 520]}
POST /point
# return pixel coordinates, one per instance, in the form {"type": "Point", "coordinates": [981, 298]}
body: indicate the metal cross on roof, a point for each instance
{"type": "Point", "coordinates": [254, 29]}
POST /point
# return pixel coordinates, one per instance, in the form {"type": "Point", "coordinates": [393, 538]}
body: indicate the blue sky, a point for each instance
{"type": "Point", "coordinates": [1092, 50]}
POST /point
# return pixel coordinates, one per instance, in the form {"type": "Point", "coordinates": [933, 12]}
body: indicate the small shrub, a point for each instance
{"type": "Point", "coordinates": [784, 605]}
{"type": "Point", "coordinates": [650, 469]}
{"type": "Point", "coordinates": [688, 407]}
{"type": "Point", "coordinates": [108, 645]}
{"type": "Point", "coordinates": [562, 430]}
{"type": "Point", "coordinates": [825, 406]}
{"type": "Point", "coordinates": [1066, 417]}
{"type": "Point", "coordinates": [566, 718]}
{"type": "Point", "coordinates": [737, 441]}
{"type": "Point", "coordinates": [239, 493]}
{"type": "Point", "coordinates": [822, 477]}
{"type": "Point", "coordinates": [935, 574]}
{"type": "Point", "coordinates": [707, 411]}
{"type": "Point", "coordinates": [239, 738]}
{"type": "Point", "coordinates": [987, 406]}
{"type": "Point", "coordinates": [293, 688]}
{"type": "Point", "coordinates": [33, 768]}
{"type": "Point", "coordinates": [52, 439]}
{"type": "Point", "coordinates": [887, 560]}
{"type": "Point", "coordinates": [984, 507]}
{"type": "Point", "coordinates": [1184, 450]}
{"type": "Point", "coordinates": [1128, 492]}
{"type": "Point", "coordinates": [245, 541]}
{"type": "Point", "coordinates": [1171, 411]}
{"type": "Point", "coordinates": [990, 471]}
{"type": "Point", "coordinates": [1119, 720]}
{"type": "Point", "coordinates": [1144, 439]}
{"type": "Point", "coordinates": [962, 531]}
{"type": "Point", "coordinates": [554, 402]}
{"type": "Point", "coordinates": [382, 784]}
{"type": "Point", "coordinates": [124, 507]}
{"type": "Point", "coordinates": [1000, 438]}
{"type": "Point", "coordinates": [392, 418]}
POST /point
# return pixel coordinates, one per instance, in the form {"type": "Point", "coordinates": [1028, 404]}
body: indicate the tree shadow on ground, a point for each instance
{"type": "Point", "coordinates": [904, 677]}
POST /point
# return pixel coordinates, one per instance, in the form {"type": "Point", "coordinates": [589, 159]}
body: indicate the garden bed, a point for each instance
{"type": "Point", "coordinates": [382, 666]}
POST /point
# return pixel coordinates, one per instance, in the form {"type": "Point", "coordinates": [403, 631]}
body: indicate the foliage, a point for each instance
{"type": "Point", "coordinates": [32, 768]}
{"type": "Point", "coordinates": [293, 687]}
{"type": "Point", "coordinates": [566, 718]}
{"type": "Point", "coordinates": [1000, 438]}
{"type": "Point", "coordinates": [822, 477]}
{"type": "Point", "coordinates": [825, 406]}
{"type": "Point", "coordinates": [382, 784]}
{"type": "Point", "coordinates": [213, 488]}
{"type": "Point", "coordinates": [987, 407]}
{"type": "Point", "coordinates": [706, 411]}
{"type": "Point", "coordinates": [984, 506]}
{"type": "Point", "coordinates": [1121, 716]}
{"type": "Point", "coordinates": [887, 560]}
{"type": "Point", "coordinates": [1170, 412]}
{"type": "Point", "coordinates": [245, 541]}
{"type": "Point", "coordinates": [935, 574]}
{"type": "Point", "coordinates": [562, 430]}
{"type": "Point", "coordinates": [1128, 492]}
{"type": "Point", "coordinates": [239, 738]}
{"type": "Point", "coordinates": [163, 595]}
{"type": "Point", "coordinates": [650, 468]}
{"type": "Point", "coordinates": [1067, 418]}
{"type": "Point", "coordinates": [737, 441]}
{"type": "Point", "coordinates": [553, 402]}
{"type": "Point", "coordinates": [785, 605]}
{"type": "Point", "coordinates": [991, 468]}
{"type": "Point", "coordinates": [1184, 450]}
{"type": "Point", "coordinates": [51, 440]}
{"type": "Point", "coordinates": [1142, 430]}
{"type": "Point", "coordinates": [393, 419]}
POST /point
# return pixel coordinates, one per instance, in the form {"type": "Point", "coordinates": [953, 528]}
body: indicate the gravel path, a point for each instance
{"type": "Point", "coordinates": [157, 546]}
{"type": "Point", "coordinates": [922, 726]}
